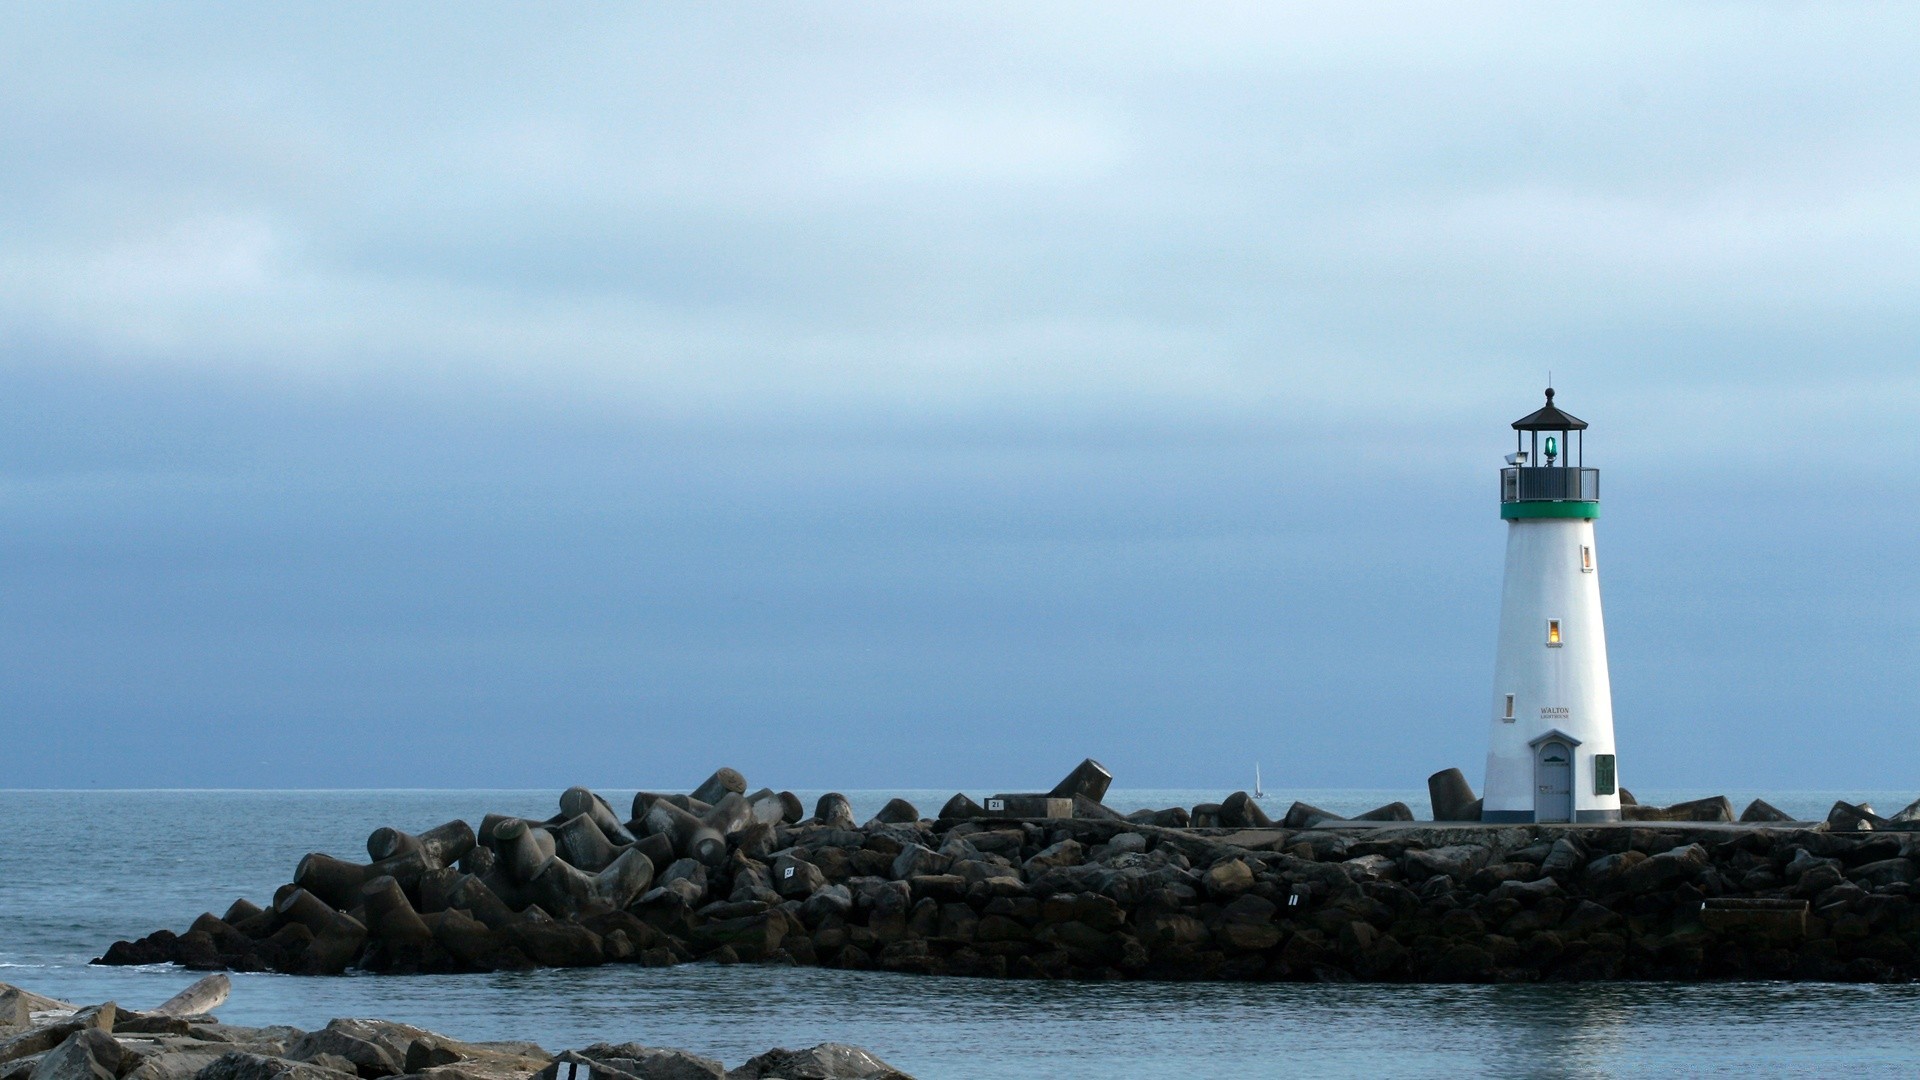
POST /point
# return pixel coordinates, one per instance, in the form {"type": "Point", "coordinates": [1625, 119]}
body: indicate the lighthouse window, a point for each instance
{"type": "Point", "coordinates": [1586, 559]}
{"type": "Point", "coordinates": [1603, 780]}
{"type": "Point", "coordinates": [1509, 715]}
{"type": "Point", "coordinates": [1553, 633]}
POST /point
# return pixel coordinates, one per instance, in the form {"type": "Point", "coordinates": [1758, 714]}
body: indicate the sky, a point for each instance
{"type": "Point", "coordinates": [932, 395]}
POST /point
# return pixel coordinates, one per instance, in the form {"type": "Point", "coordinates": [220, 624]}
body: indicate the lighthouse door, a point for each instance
{"type": "Point", "coordinates": [1553, 782]}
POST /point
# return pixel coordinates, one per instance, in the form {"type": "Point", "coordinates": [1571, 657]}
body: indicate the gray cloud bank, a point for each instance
{"type": "Point", "coordinates": [868, 395]}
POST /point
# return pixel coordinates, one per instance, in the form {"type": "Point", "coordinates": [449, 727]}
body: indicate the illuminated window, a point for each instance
{"type": "Point", "coordinates": [1553, 633]}
{"type": "Point", "coordinates": [1603, 779]}
{"type": "Point", "coordinates": [1586, 559]}
{"type": "Point", "coordinates": [1509, 716]}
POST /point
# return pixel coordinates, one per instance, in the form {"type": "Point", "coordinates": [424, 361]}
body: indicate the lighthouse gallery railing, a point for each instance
{"type": "Point", "coordinates": [1549, 484]}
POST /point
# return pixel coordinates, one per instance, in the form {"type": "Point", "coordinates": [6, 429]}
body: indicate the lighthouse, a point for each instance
{"type": "Point", "coordinates": [1551, 755]}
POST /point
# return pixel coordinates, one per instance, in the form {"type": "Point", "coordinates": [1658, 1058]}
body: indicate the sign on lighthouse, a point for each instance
{"type": "Point", "coordinates": [1551, 757]}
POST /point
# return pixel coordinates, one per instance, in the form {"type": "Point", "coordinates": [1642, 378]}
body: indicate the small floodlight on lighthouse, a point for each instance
{"type": "Point", "coordinates": [1518, 458]}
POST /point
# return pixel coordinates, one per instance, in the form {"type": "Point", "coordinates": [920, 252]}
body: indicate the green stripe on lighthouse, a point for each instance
{"type": "Point", "coordinates": [1515, 511]}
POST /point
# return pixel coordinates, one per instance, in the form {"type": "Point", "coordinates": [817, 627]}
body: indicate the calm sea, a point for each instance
{"type": "Point", "coordinates": [79, 869]}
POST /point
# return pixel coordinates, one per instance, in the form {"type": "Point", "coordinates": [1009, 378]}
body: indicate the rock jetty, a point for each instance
{"type": "Point", "coordinates": [45, 1039]}
{"type": "Point", "coordinates": [1056, 885]}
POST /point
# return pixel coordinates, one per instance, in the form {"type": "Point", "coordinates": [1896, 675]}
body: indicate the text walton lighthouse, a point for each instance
{"type": "Point", "coordinates": [1551, 757]}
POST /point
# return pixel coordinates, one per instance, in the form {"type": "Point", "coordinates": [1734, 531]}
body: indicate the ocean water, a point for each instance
{"type": "Point", "coordinates": [80, 869]}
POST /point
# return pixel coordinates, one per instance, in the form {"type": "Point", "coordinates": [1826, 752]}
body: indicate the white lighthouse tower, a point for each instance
{"type": "Point", "coordinates": [1551, 756]}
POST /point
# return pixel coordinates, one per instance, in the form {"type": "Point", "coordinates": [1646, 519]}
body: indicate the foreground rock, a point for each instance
{"type": "Point", "coordinates": [55, 1040]}
{"type": "Point", "coordinates": [1217, 892]}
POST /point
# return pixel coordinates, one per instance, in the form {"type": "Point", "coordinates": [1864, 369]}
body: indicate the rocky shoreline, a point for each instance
{"type": "Point", "coordinates": [45, 1039]}
{"type": "Point", "coordinates": [1056, 885]}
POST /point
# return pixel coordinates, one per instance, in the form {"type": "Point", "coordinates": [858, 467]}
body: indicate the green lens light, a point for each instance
{"type": "Point", "coordinates": [1553, 447]}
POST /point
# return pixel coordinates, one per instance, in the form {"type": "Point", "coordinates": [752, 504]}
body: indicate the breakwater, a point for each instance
{"type": "Point", "coordinates": [1086, 896]}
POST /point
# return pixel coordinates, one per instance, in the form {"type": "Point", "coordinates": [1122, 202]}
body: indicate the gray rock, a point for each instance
{"type": "Point", "coordinates": [1238, 810]}
{"type": "Point", "coordinates": [1089, 780]}
{"type": "Point", "coordinates": [1909, 813]}
{"type": "Point", "coordinates": [1846, 817]}
{"type": "Point", "coordinates": [15, 1012]}
{"type": "Point", "coordinates": [717, 786]}
{"type": "Point", "coordinates": [1371, 868]}
{"type": "Point", "coordinates": [1605, 871]}
{"type": "Point", "coordinates": [1452, 796]}
{"type": "Point", "coordinates": [368, 1059]}
{"type": "Point", "coordinates": [633, 1060]}
{"type": "Point", "coordinates": [825, 901]}
{"type": "Point", "coordinates": [960, 808]}
{"type": "Point", "coordinates": [199, 999]}
{"type": "Point", "coordinates": [796, 877]}
{"type": "Point", "coordinates": [1527, 890]}
{"type": "Point", "coordinates": [177, 1064]}
{"type": "Point", "coordinates": [1884, 872]}
{"type": "Point", "coordinates": [1393, 811]}
{"type": "Point", "coordinates": [1304, 816]}
{"type": "Point", "coordinates": [40, 1039]}
{"type": "Point", "coordinates": [1665, 869]}
{"type": "Point", "coordinates": [834, 811]}
{"type": "Point", "coordinates": [897, 812]}
{"type": "Point", "coordinates": [1566, 856]}
{"type": "Point", "coordinates": [1228, 878]}
{"type": "Point", "coordinates": [87, 1054]}
{"type": "Point", "coordinates": [1804, 861]}
{"type": "Point", "coordinates": [916, 860]}
{"type": "Point", "coordinates": [238, 1065]}
{"type": "Point", "coordinates": [1760, 810]}
{"type": "Point", "coordinates": [1065, 853]}
{"type": "Point", "coordinates": [827, 1061]}
{"type": "Point", "coordinates": [1456, 861]}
